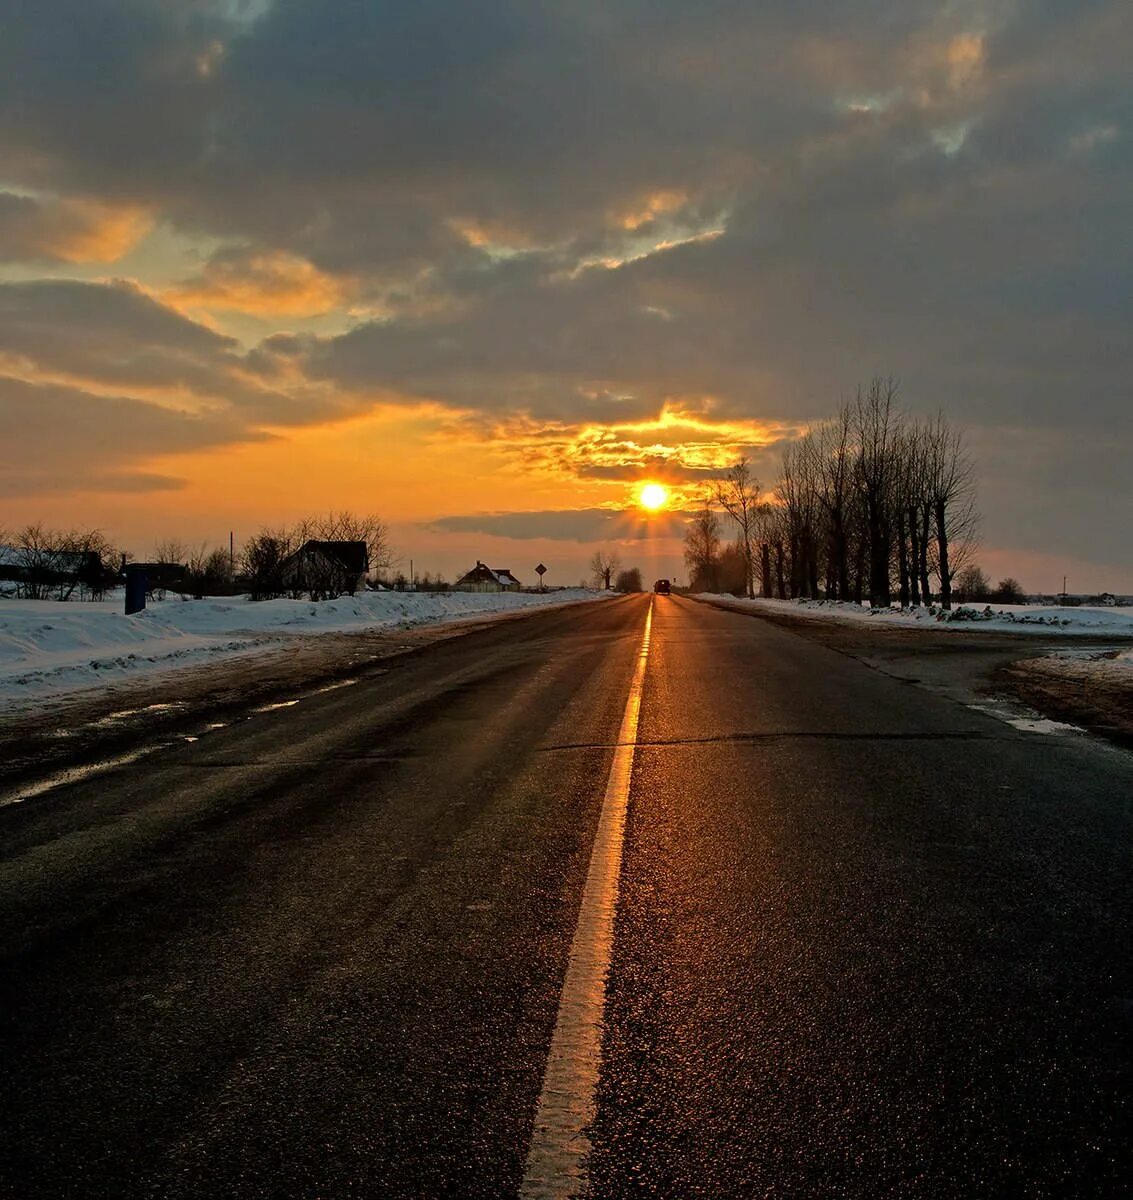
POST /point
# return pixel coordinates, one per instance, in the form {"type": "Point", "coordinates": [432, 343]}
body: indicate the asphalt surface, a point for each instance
{"type": "Point", "coordinates": [870, 942]}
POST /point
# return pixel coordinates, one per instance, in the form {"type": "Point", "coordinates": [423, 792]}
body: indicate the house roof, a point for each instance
{"type": "Point", "coordinates": [351, 556]}
{"type": "Point", "coordinates": [482, 573]}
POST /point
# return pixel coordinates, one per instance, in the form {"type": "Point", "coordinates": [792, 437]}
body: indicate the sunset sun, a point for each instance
{"type": "Point", "coordinates": [653, 496]}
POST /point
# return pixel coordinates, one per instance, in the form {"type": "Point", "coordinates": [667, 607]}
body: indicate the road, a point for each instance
{"type": "Point", "coordinates": [868, 942]}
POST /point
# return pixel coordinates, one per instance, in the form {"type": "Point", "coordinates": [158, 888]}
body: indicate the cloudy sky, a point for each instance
{"type": "Point", "coordinates": [484, 267]}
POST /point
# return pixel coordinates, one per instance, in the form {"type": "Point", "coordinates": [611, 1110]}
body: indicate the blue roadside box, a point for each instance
{"type": "Point", "coordinates": [135, 589]}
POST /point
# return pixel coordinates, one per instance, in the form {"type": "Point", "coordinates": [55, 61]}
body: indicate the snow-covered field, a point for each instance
{"type": "Point", "coordinates": [48, 647]}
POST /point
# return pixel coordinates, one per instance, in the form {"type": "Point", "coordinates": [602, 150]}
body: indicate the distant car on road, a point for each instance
{"type": "Point", "coordinates": [662, 587]}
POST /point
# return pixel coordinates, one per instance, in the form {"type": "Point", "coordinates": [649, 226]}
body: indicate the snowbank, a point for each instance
{"type": "Point", "coordinates": [1015, 618]}
{"type": "Point", "coordinates": [47, 647]}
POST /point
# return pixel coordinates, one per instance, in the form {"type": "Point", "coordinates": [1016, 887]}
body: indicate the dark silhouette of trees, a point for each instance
{"type": "Point", "coordinates": [870, 504]}
{"type": "Point", "coordinates": [628, 580]}
{"type": "Point", "coordinates": [702, 551]}
{"type": "Point", "coordinates": [971, 584]}
{"type": "Point", "coordinates": [261, 562]}
{"type": "Point", "coordinates": [1009, 591]}
{"type": "Point", "coordinates": [59, 564]}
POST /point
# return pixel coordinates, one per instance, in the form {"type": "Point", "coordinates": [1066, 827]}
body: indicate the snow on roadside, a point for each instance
{"type": "Point", "coordinates": [1012, 618]}
{"type": "Point", "coordinates": [47, 647]}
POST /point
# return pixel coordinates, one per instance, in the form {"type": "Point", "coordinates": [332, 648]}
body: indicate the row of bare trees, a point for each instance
{"type": "Point", "coordinates": [37, 563]}
{"type": "Point", "coordinates": [870, 504]}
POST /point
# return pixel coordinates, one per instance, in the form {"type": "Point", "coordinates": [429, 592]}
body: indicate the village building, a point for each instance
{"type": "Point", "coordinates": [326, 569]}
{"type": "Point", "coordinates": [487, 579]}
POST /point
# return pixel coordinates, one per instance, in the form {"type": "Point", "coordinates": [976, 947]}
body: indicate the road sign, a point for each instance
{"type": "Point", "coordinates": [540, 570]}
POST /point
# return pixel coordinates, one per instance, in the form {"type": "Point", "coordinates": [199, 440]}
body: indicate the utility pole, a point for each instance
{"type": "Point", "coordinates": [412, 581]}
{"type": "Point", "coordinates": [232, 552]}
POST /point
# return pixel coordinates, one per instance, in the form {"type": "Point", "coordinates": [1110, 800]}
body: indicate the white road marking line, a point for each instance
{"type": "Point", "coordinates": [556, 1161]}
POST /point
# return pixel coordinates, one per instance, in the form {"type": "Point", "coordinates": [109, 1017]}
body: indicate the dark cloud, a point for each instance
{"type": "Point", "coordinates": [63, 439]}
{"type": "Point", "coordinates": [115, 335]}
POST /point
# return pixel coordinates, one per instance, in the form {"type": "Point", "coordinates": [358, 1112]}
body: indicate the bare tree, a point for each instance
{"type": "Point", "coordinates": [261, 560]}
{"type": "Point", "coordinates": [835, 480]}
{"type": "Point", "coordinates": [876, 424]}
{"type": "Point", "coordinates": [951, 493]}
{"type": "Point", "coordinates": [798, 494]}
{"type": "Point", "coordinates": [738, 495]}
{"type": "Point", "coordinates": [908, 491]}
{"type": "Point", "coordinates": [218, 571]}
{"type": "Point", "coordinates": [172, 552]}
{"type": "Point", "coordinates": [970, 583]}
{"type": "Point", "coordinates": [36, 557]}
{"type": "Point", "coordinates": [702, 550]}
{"type": "Point", "coordinates": [603, 565]}
{"type": "Point", "coordinates": [54, 564]}
{"type": "Point", "coordinates": [1008, 591]}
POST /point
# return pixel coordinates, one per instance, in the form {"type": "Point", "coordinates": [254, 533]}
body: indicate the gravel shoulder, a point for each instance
{"type": "Point", "coordinates": [1037, 675]}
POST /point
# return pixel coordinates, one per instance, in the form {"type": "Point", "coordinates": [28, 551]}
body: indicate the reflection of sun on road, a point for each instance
{"type": "Point", "coordinates": [653, 496]}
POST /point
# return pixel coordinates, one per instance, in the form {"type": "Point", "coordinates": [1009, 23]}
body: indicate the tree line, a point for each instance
{"type": "Point", "coordinates": [39, 563]}
{"type": "Point", "coordinates": [871, 504]}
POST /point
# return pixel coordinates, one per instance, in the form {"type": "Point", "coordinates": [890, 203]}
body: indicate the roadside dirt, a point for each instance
{"type": "Point", "coordinates": [52, 731]}
{"type": "Point", "coordinates": [1032, 671]}
{"type": "Point", "coordinates": [1090, 696]}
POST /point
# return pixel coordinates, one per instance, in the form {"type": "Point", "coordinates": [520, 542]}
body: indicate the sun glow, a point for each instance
{"type": "Point", "coordinates": [653, 496]}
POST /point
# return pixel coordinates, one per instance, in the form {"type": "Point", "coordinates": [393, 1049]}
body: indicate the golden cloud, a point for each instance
{"type": "Point", "coordinates": [680, 446]}
{"type": "Point", "coordinates": [71, 230]}
{"type": "Point", "coordinates": [657, 204]}
{"type": "Point", "coordinates": [267, 284]}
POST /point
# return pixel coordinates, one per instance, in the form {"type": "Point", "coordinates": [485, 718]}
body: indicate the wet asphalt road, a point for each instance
{"type": "Point", "coordinates": [869, 943]}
